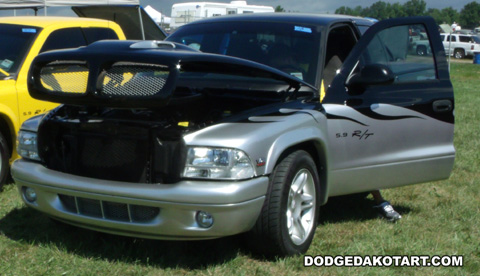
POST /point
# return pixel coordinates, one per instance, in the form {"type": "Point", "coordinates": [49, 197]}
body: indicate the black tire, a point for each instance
{"type": "Point", "coordinates": [421, 50]}
{"type": "Point", "coordinates": [271, 234]}
{"type": "Point", "coordinates": [4, 160]}
{"type": "Point", "coordinates": [459, 53]}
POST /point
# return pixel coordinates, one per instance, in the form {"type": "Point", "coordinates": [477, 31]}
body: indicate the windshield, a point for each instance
{"type": "Point", "coordinates": [292, 48]}
{"type": "Point", "coordinates": [16, 41]}
{"type": "Point", "coordinates": [476, 39]}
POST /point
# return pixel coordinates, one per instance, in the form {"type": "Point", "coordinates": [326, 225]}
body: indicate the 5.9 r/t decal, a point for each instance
{"type": "Point", "coordinates": [359, 134]}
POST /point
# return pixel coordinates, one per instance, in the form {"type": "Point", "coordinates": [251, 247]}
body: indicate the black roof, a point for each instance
{"type": "Point", "coordinates": [313, 19]}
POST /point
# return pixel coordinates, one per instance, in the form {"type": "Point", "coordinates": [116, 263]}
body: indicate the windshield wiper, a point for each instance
{"type": "Point", "coordinates": [4, 72]}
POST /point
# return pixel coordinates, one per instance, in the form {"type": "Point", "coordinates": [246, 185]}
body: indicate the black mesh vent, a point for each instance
{"type": "Point", "coordinates": [89, 207]}
{"type": "Point", "coordinates": [116, 211]}
{"type": "Point", "coordinates": [111, 210]}
{"type": "Point", "coordinates": [143, 213]}
{"type": "Point", "coordinates": [68, 203]}
{"type": "Point", "coordinates": [134, 80]}
{"type": "Point", "coordinates": [65, 76]}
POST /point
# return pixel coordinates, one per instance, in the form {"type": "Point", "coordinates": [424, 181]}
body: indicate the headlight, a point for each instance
{"type": "Point", "coordinates": [27, 145]}
{"type": "Point", "coordinates": [218, 163]}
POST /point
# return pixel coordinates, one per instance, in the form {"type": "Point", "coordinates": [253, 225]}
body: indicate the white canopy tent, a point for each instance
{"type": "Point", "coordinates": [157, 16]}
{"type": "Point", "coordinates": [43, 4]}
{"type": "Point", "coordinates": [12, 4]}
{"type": "Point", "coordinates": [132, 18]}
{"type": "Point", "coordinates": [447, 29]}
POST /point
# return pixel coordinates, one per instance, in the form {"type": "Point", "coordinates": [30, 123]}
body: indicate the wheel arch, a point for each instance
{"type": "Point", "coordinates": [459, 49]}
{"type": "Point", "coordinates": [7, 128]}
{"type": "Point", "coordinates": [317, 150]}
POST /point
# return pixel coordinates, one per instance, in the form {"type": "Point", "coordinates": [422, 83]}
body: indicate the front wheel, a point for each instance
{"type": "Point", "coordinates": [287, 223]}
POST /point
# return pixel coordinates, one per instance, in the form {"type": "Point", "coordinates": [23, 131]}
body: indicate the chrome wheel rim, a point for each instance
{"type": "Point", "coordinates": [301, 207]}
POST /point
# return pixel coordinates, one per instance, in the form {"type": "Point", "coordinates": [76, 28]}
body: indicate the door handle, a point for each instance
{"type": "Point", "coordinates": [441, 106]}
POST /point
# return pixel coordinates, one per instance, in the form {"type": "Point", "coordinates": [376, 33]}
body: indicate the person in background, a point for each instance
{"type": "Point", "coordinates": [384, 208]}
{"type": "Point", "coordinates": [454, 26]}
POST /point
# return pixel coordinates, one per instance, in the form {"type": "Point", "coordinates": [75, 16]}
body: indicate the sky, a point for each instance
{"type": "Point", "coordinates": [306, 6]}
{"type": "Point", "coordinates": [309, 6]}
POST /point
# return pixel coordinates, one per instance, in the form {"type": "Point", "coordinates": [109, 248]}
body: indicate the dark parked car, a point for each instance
{"type": "Point", "coordinates": [170, 142]}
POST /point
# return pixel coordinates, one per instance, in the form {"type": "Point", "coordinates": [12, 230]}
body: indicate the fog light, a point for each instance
{"type": "Point", "coordinates": [204, 219]}
{"type": "Point", "coordinates": [30, 194]}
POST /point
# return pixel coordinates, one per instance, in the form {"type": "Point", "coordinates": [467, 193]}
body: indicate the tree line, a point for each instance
{"type": "Point", "coordinates": [468, 17]}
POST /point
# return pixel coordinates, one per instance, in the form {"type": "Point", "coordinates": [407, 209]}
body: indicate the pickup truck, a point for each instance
{"type": "Point", "coordinates": [460, 45]}
{"type": "Point", "coordinates": [23, 38]}
{"type": "Point", "coordinates": [250, 129]}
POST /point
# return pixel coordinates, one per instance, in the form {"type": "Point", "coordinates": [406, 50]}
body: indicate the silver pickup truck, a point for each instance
{"type": "Point", "coordinates": [236, 124]}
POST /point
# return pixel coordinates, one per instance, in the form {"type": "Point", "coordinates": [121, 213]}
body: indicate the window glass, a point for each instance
{"type": "Point", "coordinates": [64, 38]}
{"type": "Point", "coordinates": [406, 50]}
{"type": "Point", "coordinates": [184, 17]}
{"type": "Point", "coordinates": [20, 39]}
{"type": "Point", "coordinates": [454, 38]}
{"type": "Point", "coordinates": [95, 34]}
{"type": "Point", "coordinates": [363, 29]}
{"type": "Point", "coordinates": [340, 42]}
{"type": "Point", "coordinates": [465, 39]}
{"type": "Point", "coordinates": [292, 48]}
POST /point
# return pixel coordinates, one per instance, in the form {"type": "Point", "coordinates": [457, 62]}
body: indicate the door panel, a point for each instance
{"type": "Point", "coordinates": [395, 126]}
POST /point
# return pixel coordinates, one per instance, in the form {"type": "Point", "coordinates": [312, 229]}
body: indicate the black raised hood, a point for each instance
{"type": "Point", "coordinates": [140, 74]}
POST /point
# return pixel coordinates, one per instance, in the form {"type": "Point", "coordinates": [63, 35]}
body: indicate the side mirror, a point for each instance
{"type": "Point", "coordinates": [372, 74]}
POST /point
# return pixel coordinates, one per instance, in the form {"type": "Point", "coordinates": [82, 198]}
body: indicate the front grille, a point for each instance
{"type": "Point", "coordinates": [108, 210]}
{"type": "Point", "coordinates": [115, 153]}
{"type": "Point", "coordinates": [104, 151]}
{"type": "Point", "coordinates": [134, 79]}
{"type": "Point", "coordinates": [116, 150]}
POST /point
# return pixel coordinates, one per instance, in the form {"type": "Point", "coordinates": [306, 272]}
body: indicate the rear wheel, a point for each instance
{"type": "Point", "coordinates": [4, 160]}
{"type": "Point", "coordinates": [289, 216]}
{"type": "Point", "coordinates": [421, 50]}
{"type": "Point", "coordinates": [459, 53]}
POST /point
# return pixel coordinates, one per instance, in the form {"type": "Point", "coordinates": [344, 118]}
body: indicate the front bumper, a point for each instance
{"type": "Point", "coordinates": [159, 211]}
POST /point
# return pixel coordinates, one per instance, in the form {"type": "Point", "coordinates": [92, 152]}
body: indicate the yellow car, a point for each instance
{"type": "Point", "coordinates": [21, 39]}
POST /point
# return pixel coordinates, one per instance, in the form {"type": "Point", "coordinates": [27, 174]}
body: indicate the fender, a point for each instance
{"type": "Point", "coordinates": [295, 137]}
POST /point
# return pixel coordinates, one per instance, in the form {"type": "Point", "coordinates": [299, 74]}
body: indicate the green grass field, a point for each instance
{"type": "Point", "coordinates": [441, 218]}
